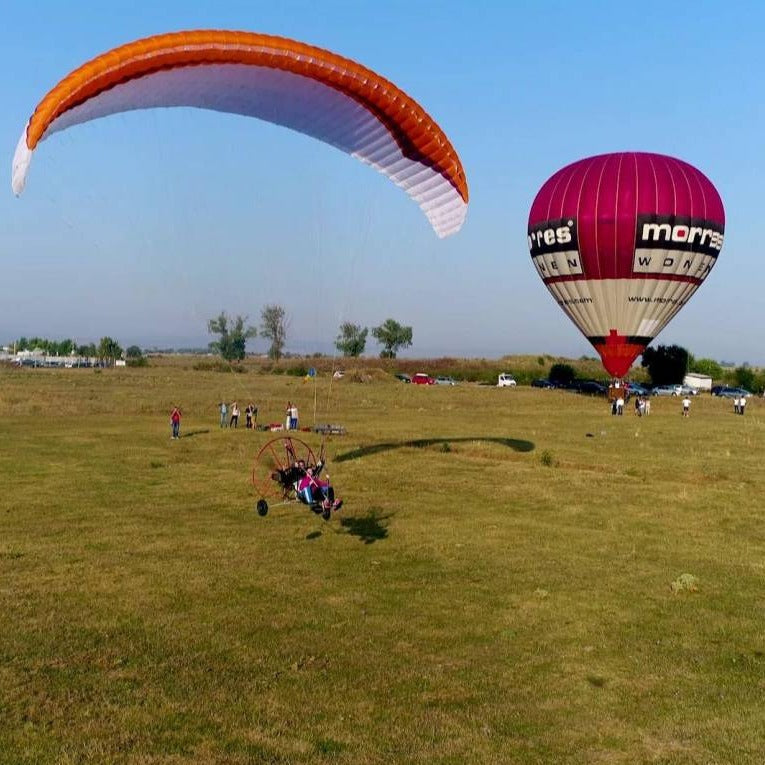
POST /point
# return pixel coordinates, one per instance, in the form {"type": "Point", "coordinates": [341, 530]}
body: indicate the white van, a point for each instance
{"type": "Point", "coordinates": [698, 382]}
{"type": "Point", "coordinates": [506, 381]}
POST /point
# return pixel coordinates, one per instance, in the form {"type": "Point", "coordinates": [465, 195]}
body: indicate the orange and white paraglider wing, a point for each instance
{"type": "Point", "coordinates": [282, 81]}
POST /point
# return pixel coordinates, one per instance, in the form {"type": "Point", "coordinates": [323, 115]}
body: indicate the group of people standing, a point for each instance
{"type": "Point", "coordinates": [250, 415]}
{"type": "Point", "coordinates": [229, 416]}
{"type": "Point", "coordinates": [642, 406]}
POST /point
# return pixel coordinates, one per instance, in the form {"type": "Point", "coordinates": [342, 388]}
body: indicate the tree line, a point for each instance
{"type": "Point", "coordinates": [668, 365]}
{"type": "Point", "coordinates": [665, 364]}
{"type": "Point", "coordinates": [233, 332]}
{"type": "Point", "coordinates": [107, 348]}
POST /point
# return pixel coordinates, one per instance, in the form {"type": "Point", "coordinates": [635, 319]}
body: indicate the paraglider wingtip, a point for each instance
{"type": "Point", "coordinates": [21, 160]}
{"type": "Point", "coordinates": [446, 225]}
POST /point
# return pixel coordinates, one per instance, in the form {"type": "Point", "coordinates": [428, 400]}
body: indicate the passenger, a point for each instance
{"type": "Point", "coordinates": [315, 492]}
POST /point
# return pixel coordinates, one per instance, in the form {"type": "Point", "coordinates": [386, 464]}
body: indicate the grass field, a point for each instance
{"type": "Point", "coordinates": [535, 581]}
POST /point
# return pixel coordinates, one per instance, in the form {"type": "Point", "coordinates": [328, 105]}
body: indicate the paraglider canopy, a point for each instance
{"type": "Point", "coordinates": [289, 83]}
{"type": "Point", "coordinates": [622, 241]}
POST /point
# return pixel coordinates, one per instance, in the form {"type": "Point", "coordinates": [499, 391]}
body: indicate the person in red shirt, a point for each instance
{"type": "Point", "coordinates": [175, 422]}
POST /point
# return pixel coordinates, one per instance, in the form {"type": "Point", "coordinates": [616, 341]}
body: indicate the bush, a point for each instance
{"type": "Point", "coordinates": [562, 374]}
{"type": "Point", "coordinates": [706, 367]}
{"type": "Point", "coordinates": [218, 366]}
{"type": "Point", "coordinates": [745, 377]}
{"type": "Point", "coordinates": [141, 361]}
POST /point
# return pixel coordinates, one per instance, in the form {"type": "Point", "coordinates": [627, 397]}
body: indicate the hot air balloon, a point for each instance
{"type": "Point", "coordinates": [622, 241]}
{"type": "Point", "coordinates": [282, 81]}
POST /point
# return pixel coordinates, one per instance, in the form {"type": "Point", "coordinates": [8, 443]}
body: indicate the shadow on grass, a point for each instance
{"type": "Point", "coordinates": [369, 529]}
{"type": "Point", "coordinates": [516, 444]}
{"type": "Point", "coordinates": [193, 433]}
{"type": "Point", "coordinates": [313, 535]}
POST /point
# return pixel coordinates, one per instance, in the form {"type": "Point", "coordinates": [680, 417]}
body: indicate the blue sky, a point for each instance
{"type": "Point", "coordinates": [145, 225]}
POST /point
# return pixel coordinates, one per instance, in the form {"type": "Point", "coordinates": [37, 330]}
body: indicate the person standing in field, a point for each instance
{"type": "Point", "coordinates": [293, 417]}
{"type": "Point", "coordinates": [223, 414]}
{"type": "Point", "coordinates": [248, 417]}
{"type": "Point", "coordinates": [288, 417]}
{"type": "Point", "coordinates": [175, 422]}
{"type": "Point", "coordinates": [234, 415]}
{"type": "Point", "coordinates": [686, 406]}
{"type": "Point", "coordinates": [742, 405]}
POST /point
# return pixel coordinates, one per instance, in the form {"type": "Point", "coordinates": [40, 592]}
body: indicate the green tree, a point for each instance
{"type": "Point", "coordinates": [562, 374]}
{"type": "Point", "coordinates": [88, 350]}
{"type": "Point", "coordinates": [51, 347]}
{"type": "Point", "coordinates": [61, 347]}
{"type": "Point", "coordinates": [108, 348]}
{"type": "Point", "coordinates": [666, 364]}
{"type": "Point", "coordinates": [706, 367]}
{"type": "Point", "coordinates": [273, 326]}
{"type": "Point", "coordinates": [133, 352]}
{"type": "Point", "coordinates": [746, 377]}
{"type": "Point", "coordinates": [352, 339]}
{"type": "Point", "coordinates": [232, 336]}
{"type": "Point", "coordinates": [392, 336]}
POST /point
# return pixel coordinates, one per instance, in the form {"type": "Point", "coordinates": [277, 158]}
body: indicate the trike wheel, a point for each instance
{"type": "Point", "coordinates": [275, 455]}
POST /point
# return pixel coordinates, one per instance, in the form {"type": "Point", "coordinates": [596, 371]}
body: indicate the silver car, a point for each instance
{"type": "Point", "coordinates": [667, 390]}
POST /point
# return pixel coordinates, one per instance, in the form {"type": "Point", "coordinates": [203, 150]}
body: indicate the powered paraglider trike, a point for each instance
{"type": "Point", "coordinates": [280, 467]}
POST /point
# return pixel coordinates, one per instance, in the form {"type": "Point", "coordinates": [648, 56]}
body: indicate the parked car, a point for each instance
{"type": "Point", "coordinates": [592, 388]}
{"type": "Point", "coordinates": [442, 380]}
{"type": "Point", "coordinates": [636, 389]}
{"type": "Point", "coordinates": [422, 379]}
{"type": "Point", "coordinates": [403, 377]}
{"type": "Point", "coordinates": [733, 392]}
{"type": "Point", "coordinates": [688, 390]}
{"type": "Point", "coordinates": [542, 383]}
{"type": "Point", "coordinates": [666, 390]}
{"type": "Point", "coordinates": [506, 381]}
